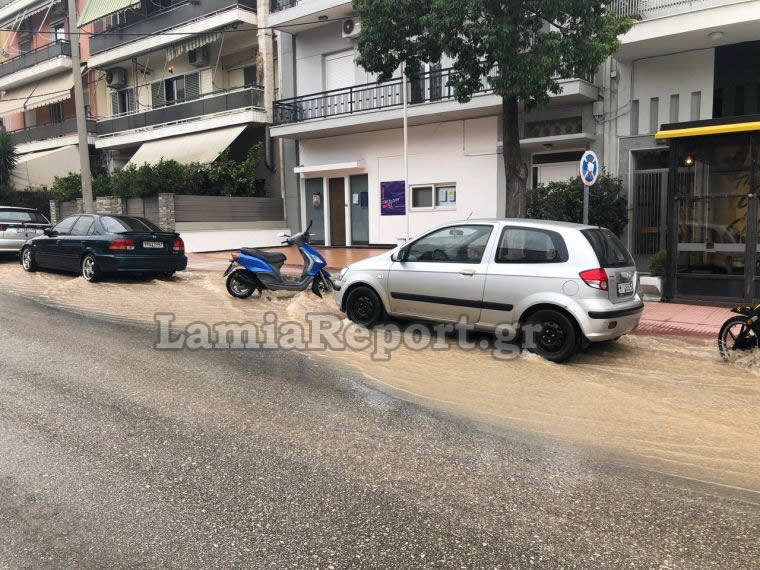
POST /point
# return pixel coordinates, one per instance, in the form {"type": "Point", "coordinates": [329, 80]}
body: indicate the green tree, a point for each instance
{"type": "Point", "coordinates": [521, 46]}
{"type": "Point", "coordinates": [8, 158]}
{"type": "Point", "coordinates": [563, 201]}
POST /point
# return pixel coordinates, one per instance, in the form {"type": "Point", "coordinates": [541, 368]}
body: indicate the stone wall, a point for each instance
{"type": "Point", "coordinates": [166, 212]}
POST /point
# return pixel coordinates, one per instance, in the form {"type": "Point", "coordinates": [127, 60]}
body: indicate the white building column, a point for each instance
{"type": "Point", "coordinates": [266, 51]}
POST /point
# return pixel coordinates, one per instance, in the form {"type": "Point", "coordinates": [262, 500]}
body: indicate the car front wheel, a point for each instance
{"type": "Point", "coordinates": [27, 259]}
{"type": "Point", "coordinates": [364, 307]}
{"type": "Point", "coordinates": [90, 270]}
{"type": "Point", "coordinates": [551, 335]}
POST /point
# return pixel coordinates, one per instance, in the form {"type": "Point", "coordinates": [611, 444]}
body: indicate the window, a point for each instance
{"type": "Point", "coordinates": [22, 216]}
{"type": "Point", "coordinates": [83, 226]}
{"type": "Point", "coordinates": [674, 104]}
{"type": "Point", "coordinates": [609, 250]}
{"type": "Point", "coordinates": [64, 226]}
{"type": "Point", "coordinates": [121, 224]}
{"type": "Point", "coordinates": [696, 105]}
{"type": "Point", "coordinates": [122, 101]}
{"type": "Point", "coordinates": [531, 245]}
{"type": "Point", "coordinates": [438, 196]}
{"type": "Point", "coordinates": [175, 90]}
{"type": "Point", "coordinates": [654, 114]}
{"type": "Point", "coordinates": [635, 117]}
{"type": "Point", "coordinates": [454, 244]}
{"type": "Point", "coordinates": [57, 32]}
{"type": "Point", "coordinates": [56, 113]}
{"type": "Point", "coordinates": [249, 75]}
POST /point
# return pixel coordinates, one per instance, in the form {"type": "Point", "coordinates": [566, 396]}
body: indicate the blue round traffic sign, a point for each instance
{"type": "Point", "coordinates": [589, 168]}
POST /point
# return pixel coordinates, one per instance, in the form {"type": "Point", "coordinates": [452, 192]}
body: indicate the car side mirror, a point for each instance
{"type": "Point", "coordinates": [49, 232]}
{"type": "Point", "coordinates": [399, 255]}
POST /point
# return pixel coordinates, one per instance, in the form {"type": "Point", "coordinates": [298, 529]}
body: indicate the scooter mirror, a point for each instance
{"type": "Point", "coordinates": [283, 234]}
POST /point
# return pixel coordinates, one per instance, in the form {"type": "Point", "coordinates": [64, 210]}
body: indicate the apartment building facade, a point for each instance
{"type": "Point", "coordinates": [347, 136]}
{"type": "Point", "coordinates": [37, 105]}
{"type": "Point", "coordinates": [683, 105]}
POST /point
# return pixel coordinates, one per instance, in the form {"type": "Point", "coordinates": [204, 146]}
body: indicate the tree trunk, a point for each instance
{"type": "Point", "coordinates": [514, 169]}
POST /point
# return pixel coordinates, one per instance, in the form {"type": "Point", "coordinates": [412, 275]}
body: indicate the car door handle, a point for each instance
{"type": "Point", "coordinates": [467, 272]}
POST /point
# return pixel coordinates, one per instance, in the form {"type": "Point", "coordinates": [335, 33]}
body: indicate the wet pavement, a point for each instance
{"type": "Point", "coordinates": [113, 453]}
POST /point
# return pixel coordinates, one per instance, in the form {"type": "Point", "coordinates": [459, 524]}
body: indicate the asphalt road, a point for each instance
{"type": "Point", "coordinates": [112, 453]}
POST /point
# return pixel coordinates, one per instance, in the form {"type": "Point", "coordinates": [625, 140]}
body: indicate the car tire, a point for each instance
{"type": "Point", "coordinates": [555, 338]}
{"type": "Point", "coordinates": [237, 288]}
{"type": "Point", "coordinates": [364, 307]}
{"type": "Point", "coordinates": [90, 270]}
{"type": "Point", "coordinates": [27, 260]}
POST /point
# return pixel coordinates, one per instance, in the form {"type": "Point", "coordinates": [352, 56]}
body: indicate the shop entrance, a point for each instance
{"type": "Point", "coordinates": [337, 188]}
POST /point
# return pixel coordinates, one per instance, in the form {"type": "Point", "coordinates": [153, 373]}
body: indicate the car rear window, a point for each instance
{"type": "Point", "coordinates": [124, 224]}
{"type": "Point", "coordinates": [20, 216]}
{"type": "Point", "coordinates": [608, 248]}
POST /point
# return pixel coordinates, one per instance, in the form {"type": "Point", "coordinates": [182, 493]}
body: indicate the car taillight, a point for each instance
{"type": "Point", "coordinates": [596, 278]}
{"type": "Point", "coordinates": [122, 245]}
{"type": "Point", "coordinates": [178, 246]}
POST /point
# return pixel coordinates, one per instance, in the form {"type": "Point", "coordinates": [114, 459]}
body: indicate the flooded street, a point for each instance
{"type": "Point", "coordinates": [669, 405]}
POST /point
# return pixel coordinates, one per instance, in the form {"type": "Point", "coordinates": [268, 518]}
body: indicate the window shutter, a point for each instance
{"type": "Point", "coordinates": [157, 94]}
{"type": "Point", "coordinates": [130, 99]}
{"type": "Point", "coordinates": [192, 85]}
{"type": "Point", "coordinates": [114, 102]}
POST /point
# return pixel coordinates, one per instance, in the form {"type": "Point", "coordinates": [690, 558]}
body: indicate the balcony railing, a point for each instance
{"type": "Point", "coordinates": [171, 17]}
{"type": "Point", "coordinates": [432, 86]}
{"type": "Point", "coordinates": [32, 58]}
{"type": "Point", "coordinates": [207, 104]}
{"type": "Point", "coordinates": [647, 9]}
{"type": "Point", "coordinates": [277, 5]}
{"type": "Point", "coordinates": [48, 131]}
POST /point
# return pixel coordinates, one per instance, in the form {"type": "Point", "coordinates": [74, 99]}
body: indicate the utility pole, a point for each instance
{"type": "Point", "coordinates": [407, 197]}
{"type": "Point", "coordinates": [76, 72]}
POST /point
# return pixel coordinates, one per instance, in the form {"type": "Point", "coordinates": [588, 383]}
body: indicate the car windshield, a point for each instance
{"type": "Point", "coordinates": [125, 224]}
{"type": "Point", "coordinates": [20, 216]}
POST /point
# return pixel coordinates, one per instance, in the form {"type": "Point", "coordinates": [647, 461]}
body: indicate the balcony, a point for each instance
{"type": "Point", "coordinates": [220, 108]}
{"type": "Point", "coordinates": [295, 16]}
{"type": "Point", "coordinates": [374, 106]}
{"type": "Point", "coordinates": [48, 131]}
{"type": "Point", "coordinates": [192, 17]}
{"type": "Point", "coordinates": [36, 64]}
{"type": "Point", "coordinates": [671, 26]}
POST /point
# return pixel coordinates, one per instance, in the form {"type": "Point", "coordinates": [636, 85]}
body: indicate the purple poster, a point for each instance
{"type": "Point", "coordinates": [392, 198]}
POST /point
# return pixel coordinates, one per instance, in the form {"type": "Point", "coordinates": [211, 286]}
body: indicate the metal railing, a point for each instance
{"type": "Point", "coordinates": [32, 58]}
{"type": "Point", "coordinates": [206, 104]}
{"type": "Point", "coordinates": [171, 17]}
{"type": "Point", "coordinates": [49, 131]}
{"type": "Point", "coordinates": [647, 9]}
{"type": "Point", "coordinates": [429, 87]}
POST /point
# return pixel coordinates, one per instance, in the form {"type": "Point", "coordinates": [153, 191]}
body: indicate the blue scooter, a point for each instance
{"type": "Point", "coordinates": [254, 270]}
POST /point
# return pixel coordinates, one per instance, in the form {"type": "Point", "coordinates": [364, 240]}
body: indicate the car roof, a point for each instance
{"type": "Point", "coordinates": [17, 208]}
{"type": "Point", "coordinates": [548, 224]}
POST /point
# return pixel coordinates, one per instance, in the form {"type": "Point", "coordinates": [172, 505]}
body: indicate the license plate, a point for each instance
{"type": "Point", "coordinates": [153, 245]}
{"type": "Point", "coordinates": [625, 288]}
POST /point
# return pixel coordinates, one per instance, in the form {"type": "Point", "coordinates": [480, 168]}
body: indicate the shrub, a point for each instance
{"type": "Point", "coordinates": [563, 201]}
{"type": "Point", "coordinates": [27, 198]}
{"type": "Point", "coordinates": [657, 263]}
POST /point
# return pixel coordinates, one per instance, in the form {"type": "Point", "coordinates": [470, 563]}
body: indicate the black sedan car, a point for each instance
{"type": "Point", "coordinates": [98, 244]}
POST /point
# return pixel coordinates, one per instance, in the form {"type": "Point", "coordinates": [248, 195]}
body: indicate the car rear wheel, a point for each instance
{"type": "Point", "coordinates": [553, 335]}
{"type": "Point", "coordinates": [90, 270]}
{"type": "Point", "coordinates": [27, 260]}
{"type": "Point", "coordinates": [364, 307]}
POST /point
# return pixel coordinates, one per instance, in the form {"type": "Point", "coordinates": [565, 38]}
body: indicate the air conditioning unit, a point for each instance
{"type": "Point", "coordinates": [351, 28]}
{"type": "Point", "coordinates": [199, 57]}
{"type": "Point", "coordinates": [116, 77]}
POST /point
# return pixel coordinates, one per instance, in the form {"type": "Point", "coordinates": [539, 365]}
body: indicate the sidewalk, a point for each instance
{"type": "Point", "coordinates": [659, 319]}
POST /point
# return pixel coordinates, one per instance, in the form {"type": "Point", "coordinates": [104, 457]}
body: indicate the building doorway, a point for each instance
{"type": "Point", "coordinates": [337, 189]}
{"type": "Point", "coordinates": [648, 205]}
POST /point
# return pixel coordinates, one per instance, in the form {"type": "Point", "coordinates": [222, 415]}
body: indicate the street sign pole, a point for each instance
{"type": "Point", "coordinates": [589, 170]}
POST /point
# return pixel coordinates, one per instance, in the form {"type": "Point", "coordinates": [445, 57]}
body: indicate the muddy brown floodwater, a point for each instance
{"type": "Point", "coordinates": [666, 404]}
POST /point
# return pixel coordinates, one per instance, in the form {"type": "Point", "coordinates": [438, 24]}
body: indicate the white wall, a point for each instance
{"type": "Point", "coordinates": [460, 152]}
{"type": "Point", "coordinates": [681, 74]}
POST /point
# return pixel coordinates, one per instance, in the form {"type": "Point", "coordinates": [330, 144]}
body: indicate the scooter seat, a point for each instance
{"type": "Point", "coordinates": [271, 258]}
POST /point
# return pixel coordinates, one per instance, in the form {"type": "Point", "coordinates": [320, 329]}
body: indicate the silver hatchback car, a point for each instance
{"type": "Point", "coordinates": [17, 225]}
{"type": "Point", "coordinates": [572, 283]}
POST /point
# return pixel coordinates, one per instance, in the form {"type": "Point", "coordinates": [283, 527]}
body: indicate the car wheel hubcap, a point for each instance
{"type": "Point", "coordinates": [88, 268]}
{"type": "Point", "coordinates": [552, 337]}
{"type": "Point", "coordinates": [27, 259]}
{"type": "Point", "coordinates": [364, 308]}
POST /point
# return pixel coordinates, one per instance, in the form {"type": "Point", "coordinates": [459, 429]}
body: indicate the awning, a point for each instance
{"type": "Point", "coordinates": [176, 50]}
{"type": "Point", "coordinates": [199, 147]}
{"type": "Point", "coordinates": [44, 92]}
{"type": "Point", "coordinates": [38, 169]}
{"type": "Point", "coordinates": [313, 169]}
{"type": "Point", "coordinates": [703, 130]}
{"type": "Point", "coordinates": [96, 9]}
{"type": "Point", "coordinates": [13, 17]}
